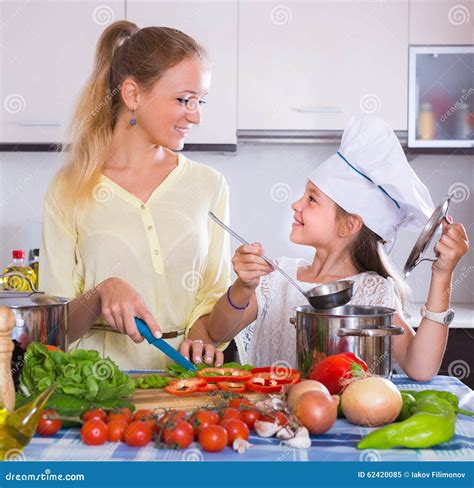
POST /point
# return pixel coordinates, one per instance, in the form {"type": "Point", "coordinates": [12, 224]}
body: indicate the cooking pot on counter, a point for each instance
{"type": "Point", "coordinates": [364, 330]}
{"type": "Point", "coordinates": [39, 317]}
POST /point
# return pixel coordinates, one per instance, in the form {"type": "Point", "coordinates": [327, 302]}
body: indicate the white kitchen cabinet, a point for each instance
{"type": "Point", "coordinates": [442, 22]}
{"type": "Point", "coordinates": [212, 23]}
{"type": "Point", "coordinates": [46, 51]}
{"type": "Point", "coordinates": [310, 65]}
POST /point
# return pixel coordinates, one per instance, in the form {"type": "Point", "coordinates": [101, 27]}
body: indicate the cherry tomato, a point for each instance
{"type": "Point", "coordinates": [202, 419]}
{"type": "Point", "coordinates": [230, 414]}
{"type": "Point", "coordinates": [179, 434]}
{"type": "Point", "coordinates": [237, 402]}
{"type": "Point", "coordinates": [137, 434]}
{"type": "Point", "coordinates": [250, 417]}
{"type": "Point", "coordinates": [96, 413]}
{"type": "Point", "coordinates": [175, 416]}
{"type": "Point", "coordinates": [48, 426]}
{"type": "Point", "coordinates": [275, 416]}
{"type": "Point", "coordinates": [142, 414]}
{"type": "Point", "coordinates": [127, 412]}
{"type": "Point", "coordinates": [119, 417]}
{"type": "Point", "coordinates": [236, 429]}
{"type": "Point", "coordinates": [115, 430]}
{"type": "Point", "coordinates": [94, 432]}
{"type": "Point", "coordinates": [213, 438]}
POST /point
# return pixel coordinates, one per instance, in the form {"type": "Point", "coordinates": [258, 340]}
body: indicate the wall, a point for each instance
{"type": "Point", "coordinates": [264, 180]}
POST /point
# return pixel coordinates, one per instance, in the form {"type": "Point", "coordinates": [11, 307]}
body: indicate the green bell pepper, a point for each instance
{"type": "Point", "coordinates": [432, 423]}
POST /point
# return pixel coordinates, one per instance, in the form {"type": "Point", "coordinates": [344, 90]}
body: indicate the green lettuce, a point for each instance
{"type": "Point", "coordinates": [80, 373]}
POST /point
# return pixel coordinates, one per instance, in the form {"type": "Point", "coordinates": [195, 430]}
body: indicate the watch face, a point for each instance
{"type": "Point", "coordinates": [449, 317]}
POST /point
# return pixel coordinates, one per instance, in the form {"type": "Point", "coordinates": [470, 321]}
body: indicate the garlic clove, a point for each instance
{"type": "Point", "coordinates": [266, 429]}
{"type": "Point", "coordinates": [285, 433]}
{"type": "Point", "coordinates": [240, 445]}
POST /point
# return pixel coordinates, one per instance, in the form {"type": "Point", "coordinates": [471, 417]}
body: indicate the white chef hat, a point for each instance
{"type": "Point", "coordinates": [370, 176]}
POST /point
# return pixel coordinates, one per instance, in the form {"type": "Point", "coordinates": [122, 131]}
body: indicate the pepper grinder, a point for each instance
{"type": "Point", "coordinates": [7, 388]}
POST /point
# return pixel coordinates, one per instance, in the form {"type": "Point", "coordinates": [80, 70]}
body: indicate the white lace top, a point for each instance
{"type": "Point", "coordinates": [272, 338]}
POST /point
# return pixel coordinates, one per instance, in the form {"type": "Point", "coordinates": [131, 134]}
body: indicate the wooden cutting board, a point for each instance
{"type": "Point", "coordinates": [159, 398]}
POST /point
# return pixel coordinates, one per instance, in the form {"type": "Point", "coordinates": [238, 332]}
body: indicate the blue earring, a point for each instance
{"type": "Point", "coordinates": [133, 119]}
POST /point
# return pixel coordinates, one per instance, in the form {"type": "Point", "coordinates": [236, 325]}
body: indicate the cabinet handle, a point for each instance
{"type": "Point", "coordinates": [38, 124]}
{"type": "Point", "coordinates": [318, 110]}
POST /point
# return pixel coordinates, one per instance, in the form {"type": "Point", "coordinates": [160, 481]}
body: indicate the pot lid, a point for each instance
{"type": "Point", "coordinates": [426, 236]}
{"type": "Point", "coordinates": [28, 299]}
{"type": "Point", "coordinates": [349, 311]}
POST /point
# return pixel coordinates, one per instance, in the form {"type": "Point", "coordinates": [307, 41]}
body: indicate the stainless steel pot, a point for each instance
{"type": "Point", "coordinates": [365, 331]}
{"type": "Point", "coordinates": [39, 317]}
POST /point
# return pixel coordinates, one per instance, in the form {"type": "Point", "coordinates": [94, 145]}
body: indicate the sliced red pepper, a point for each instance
{"type": "Point", "coordinates": [216, 375]}
{"type": "Point", "coordinates": [185, 386]}
{"type": "Point", "coordinates": [281, 377]}
{"type": "Point", "coordinates": [231, 386]}
{"type": "Point", "coordinates": [263, 385]}
{"type": "Point", "coordinates": [207, 388]}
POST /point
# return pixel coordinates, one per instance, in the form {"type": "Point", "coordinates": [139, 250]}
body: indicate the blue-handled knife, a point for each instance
{"type": "Point", "coordinates": [163, 346]}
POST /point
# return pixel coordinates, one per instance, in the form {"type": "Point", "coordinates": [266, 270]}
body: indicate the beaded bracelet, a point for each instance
{"type": "Point", "coordinates": [229, 301]}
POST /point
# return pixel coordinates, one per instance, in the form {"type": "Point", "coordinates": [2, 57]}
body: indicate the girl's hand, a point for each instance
{"type": "Point", "coordinates": [451, 247]}
{"type": "Point", "coordinates": [196, 351]}
{"type": "Point", "coordinates": [120, 304]}
{"type": "Point", "coordinates": [249, 266]}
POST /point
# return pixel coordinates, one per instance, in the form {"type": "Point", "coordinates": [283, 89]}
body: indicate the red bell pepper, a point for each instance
{"type": "Point", "coordinates": [281, 375]}
{"type": "Point", "coordinates": [231, 386]}
{"type": "Point", "coordinates": [263, 385]}
{"type": "Point", "coordinates": [185, 386]}
{"type": "Point", "coordinates": [333, 369]}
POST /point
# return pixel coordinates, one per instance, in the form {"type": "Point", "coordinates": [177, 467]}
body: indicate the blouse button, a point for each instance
{"type": "Point", "coordinates": [150, 227]}
{"type": "Point", "coordinates": [142, 206]}
{"type": "Point", "coordinates": [156, 252]}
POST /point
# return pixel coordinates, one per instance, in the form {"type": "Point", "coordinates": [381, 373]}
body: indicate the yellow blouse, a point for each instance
{"type": "Point", "coordinates": [167, 249]}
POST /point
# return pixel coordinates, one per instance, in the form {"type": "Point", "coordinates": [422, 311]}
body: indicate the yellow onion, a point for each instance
{"type": "Point", "coordinates": [371, 401]}
{"type": "Point", "coordinates": [295, 391]}
{"type": "Point", "coordinates": [316, 410]}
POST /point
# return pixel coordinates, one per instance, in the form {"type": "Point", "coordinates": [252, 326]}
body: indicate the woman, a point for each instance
{"type": "Point", "coordinates": [125, 230]}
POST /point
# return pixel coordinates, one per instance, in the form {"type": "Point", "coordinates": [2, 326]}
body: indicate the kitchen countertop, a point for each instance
{"type": "Point", "coordinates": [464, 316]}
{"type": "Point", "coordinates": [336, 445]}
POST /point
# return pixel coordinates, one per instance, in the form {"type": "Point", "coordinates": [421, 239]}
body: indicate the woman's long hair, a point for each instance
{"type": "Point", "coordinates": [122, 51]}
{"type": "Point", "coordinates": [368, 254]}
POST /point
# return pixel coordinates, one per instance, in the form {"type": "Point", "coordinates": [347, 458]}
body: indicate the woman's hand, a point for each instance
{"type": "Point", "coordinates": [451, 247]}
{"type": "Point", "coordinates": [249, 266]}
{"type": "Point", "coordinates": [120, 304]}
{"type": "Point", "coordinates": [196, 350]}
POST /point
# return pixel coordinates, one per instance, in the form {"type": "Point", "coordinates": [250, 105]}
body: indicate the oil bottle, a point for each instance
{"type": "Point", "coordinates": [18, 265]}
{"type": "Point", "coordinates": [18, 427]}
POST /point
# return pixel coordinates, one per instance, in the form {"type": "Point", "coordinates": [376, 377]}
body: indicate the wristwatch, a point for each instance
{"type": "Point", "coordinates": [444, 318]}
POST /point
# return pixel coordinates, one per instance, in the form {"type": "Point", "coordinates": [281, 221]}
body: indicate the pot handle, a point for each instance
{"type": "Point", "coordinates": [380, 332]}
{"type": "Point", "coordinates": [293, 321]}
{"type": "Point", "coordinates": [32, 286]}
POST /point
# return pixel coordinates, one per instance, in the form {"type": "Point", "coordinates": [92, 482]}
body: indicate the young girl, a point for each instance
{"type": "Point", "coordinates": [353, 206]}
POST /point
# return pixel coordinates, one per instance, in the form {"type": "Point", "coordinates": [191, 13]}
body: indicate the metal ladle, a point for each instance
{"type": "Point", "coordinates": [321, 297]}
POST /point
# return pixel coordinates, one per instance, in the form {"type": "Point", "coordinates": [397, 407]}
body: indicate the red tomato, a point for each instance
{"type": "Point", "coordinates": [237, 402]}
{"type": "Point", "coordinates": [115, 430]}
{"type": "Point", "coordinates": [141, 414]}
{"type": "Point", "coordinates": [250, 417]}
{"type": "Point", "coordinates": [236, 429]}
{"type": "Point", "coordinates": [213, 438]}
{"type": "Point", "coordinates": [275, 416]}
{"type": "Point", "coordinates": [202, 419]}
{"type": "Point", "coordinates": [137, 434]}
{"type": "Point", "coordinates": [96, 413]}
{"type": "Point", "coordinates": [231, 414]}
{"type": "Point", "coordinates": [127, 412]}
{"type": "Point", "coordinates": [119, 417]}
{"type": "Point", "coordinates": [179, 434]}
{"type": "Point", "coordinates": [48, 426]}
{"type": "Point", "coordinates": [174, 416]}
{"type": "Point", "coordinates": [94, 432]}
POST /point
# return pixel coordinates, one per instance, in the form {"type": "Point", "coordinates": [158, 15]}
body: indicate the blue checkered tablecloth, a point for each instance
{"type": "Point", "coordinates": [339, 444]}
